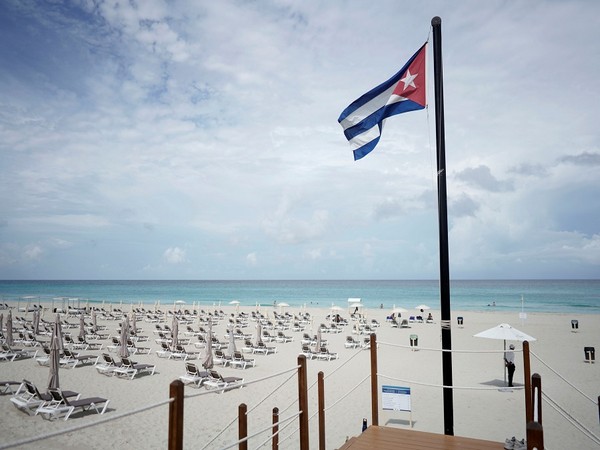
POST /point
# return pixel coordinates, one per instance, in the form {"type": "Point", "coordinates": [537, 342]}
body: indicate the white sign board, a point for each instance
{"type": "Point", "coordinates": [395, 398]}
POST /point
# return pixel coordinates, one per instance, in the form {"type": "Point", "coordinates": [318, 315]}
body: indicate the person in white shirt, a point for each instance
{"type": "Point", "coordinates": [509, 361]}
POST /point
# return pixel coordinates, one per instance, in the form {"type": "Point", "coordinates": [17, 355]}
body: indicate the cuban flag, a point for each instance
{"type": "Point", "coordinates": [363, 120]}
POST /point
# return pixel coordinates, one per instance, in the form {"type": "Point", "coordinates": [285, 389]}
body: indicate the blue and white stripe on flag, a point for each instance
{"type": "Point", "coordinates": [363, 120]}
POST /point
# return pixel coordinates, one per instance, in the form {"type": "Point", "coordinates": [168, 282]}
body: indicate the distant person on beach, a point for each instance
{"type": "Point", "coordinates": [509, 360]}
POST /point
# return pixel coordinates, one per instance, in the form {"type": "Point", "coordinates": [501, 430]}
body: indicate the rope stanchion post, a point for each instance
{"type": "Point", "coordinates": [242, 426]}
{"type": "Point", "coordinates": [303, 402]}
{"type": "Point", "coordinates": [374, 384]}
{"type": "Point", "coordinates": [321, 391]}
{"type": "Point", "coordinates": [527, 378]}
{"type": "Point", "coordinates": [176, 415]}
{"type": "Point", "coordinates": [535, 431]}
{"type": "Point", "coordinates": [275, 428]}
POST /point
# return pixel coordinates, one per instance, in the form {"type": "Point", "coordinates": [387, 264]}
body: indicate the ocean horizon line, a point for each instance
{"type": "Point", "coordinates": [290, 279]}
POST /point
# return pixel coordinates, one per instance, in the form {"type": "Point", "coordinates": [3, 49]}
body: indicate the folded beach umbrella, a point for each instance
{"type": "Point", "coordinates": [231, 348]}
{"type": "Point", "coordinates": [9, 329]}
{"type": "Point", "coordinates": [174, 333]}
{"type": "Point", "coordinates": [1, 320]}
{"type": "Point", "coordinates": [58, 330]}
{"type": "Point", "coordinates": [505, 332]}
{"type": "Point", "coordinates": [258, 333]}
{"type": "Point", "coordinates": [81, 327]}
{"type": "Point", "coordinates": [54, 360]}
{"type": "Point", "coordinates": [36, 321]}
{"type": "Point", "coordinates": [207, 360]}
{"type": "Point", "coordinates": [94, 323]}
{"type": "Point", "coordinates": [123, 350]}
{"type": "Point", "coordinates": [134, 322]}
{"type": "Point", "coordinates": [318, 339]}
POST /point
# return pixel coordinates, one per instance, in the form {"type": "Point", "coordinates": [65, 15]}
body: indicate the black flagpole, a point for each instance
{"type": "Point", "coordinates": [436, 23]}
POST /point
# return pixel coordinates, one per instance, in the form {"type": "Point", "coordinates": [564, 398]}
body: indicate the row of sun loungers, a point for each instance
{"type": "Point", "coordinates": [68, 359]}
{"type": "Point", "coordinates": [210, 379]}
{"type": "Point", "coordinates": [9, 353]}
{"type": "Point", "coordinates": [55, 403]}
{"type": "Point", "coordinates": [126, 368]}
{"type": "Point", "coordinates": [322, 354]}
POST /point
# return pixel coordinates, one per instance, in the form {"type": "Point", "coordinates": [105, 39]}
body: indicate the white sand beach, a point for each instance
{"type": "Point", "coordinates": [483, 410]}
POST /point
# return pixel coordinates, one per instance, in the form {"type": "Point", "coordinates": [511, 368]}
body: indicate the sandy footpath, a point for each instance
{"type": "Point", "coordinates": [481, 410]}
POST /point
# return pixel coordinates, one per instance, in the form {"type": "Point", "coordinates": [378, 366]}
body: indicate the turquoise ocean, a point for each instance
{"type": "Point", "coordinates": [562, 296]}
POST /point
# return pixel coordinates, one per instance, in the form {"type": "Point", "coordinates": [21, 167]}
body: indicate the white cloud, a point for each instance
{"type": "Point", "coordinates": [175, 255]}
{"type": "Point", "coordinates": [251, 259]}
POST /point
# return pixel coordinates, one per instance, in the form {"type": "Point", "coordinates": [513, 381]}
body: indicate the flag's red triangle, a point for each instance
{"type": "Point", "coordinates": [412, 84]}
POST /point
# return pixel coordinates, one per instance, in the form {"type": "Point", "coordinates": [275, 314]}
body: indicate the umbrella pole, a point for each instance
{"type": "Point", "coordinates": [504, 363]}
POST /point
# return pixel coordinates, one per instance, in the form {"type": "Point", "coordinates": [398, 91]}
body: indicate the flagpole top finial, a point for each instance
{"type": "Point", "coordinates": [437, 20]}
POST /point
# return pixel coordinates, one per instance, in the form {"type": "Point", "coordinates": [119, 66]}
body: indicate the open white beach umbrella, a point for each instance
{"type": "Point", "coordinates": [123, 350]}
{"type": "Point", "coordinates": [236, 303]}
{"type": "Point", "coordinates": [398, 310]}
{"type": "Point", "coordinates": [282, 305]}
{"type": "Point", "coordinates": [422, 307]}
{"type": "Point", "coordinates": [207, 360]}
{"type": "Point", "coordinates": [505, 332]}
{"type": "Point", "coordinates": [9, 329]}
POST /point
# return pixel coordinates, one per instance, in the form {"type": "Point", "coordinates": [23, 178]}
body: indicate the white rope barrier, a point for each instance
{"type": "Point", "coordinates": [348, 393]}
{"type": "Point", "coordinates": [271, 393]}
{"type": "Point", "coordinates": [52, 434]}
{"type": "Point", "coordinates": [358, 352]}
{"type": "Point", "coordinates": [588, 433]}
{"type": "Point", "coordinates": [220, 432]}
{"type": "Point", "coordinates": [293, 369]}
{"type": "Point", "coordinates": [564, 379]}
{"type": "Point", "coordinates": [474, 388]}
{"type": "Point", "coordinates": [445, 350]}
{"type": "Point", "coordinates": [236, 443]}
{"type": "Point", "coordinates": [245, 383]}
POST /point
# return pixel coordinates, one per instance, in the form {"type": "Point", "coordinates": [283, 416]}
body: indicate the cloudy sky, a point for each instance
{"type": "Point", "coordinates": [199, 140]}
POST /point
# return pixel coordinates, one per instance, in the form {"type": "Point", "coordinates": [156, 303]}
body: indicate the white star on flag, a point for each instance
{"type": "Point", "coordinates": [408, 80]}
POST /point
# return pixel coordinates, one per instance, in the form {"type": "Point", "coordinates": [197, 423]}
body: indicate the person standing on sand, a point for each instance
{"type": "Point", "coordinates": [509, 361]}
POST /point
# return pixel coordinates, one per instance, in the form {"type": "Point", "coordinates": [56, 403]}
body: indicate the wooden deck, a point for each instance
{"type": "Point", "coordinates": [384, 438]}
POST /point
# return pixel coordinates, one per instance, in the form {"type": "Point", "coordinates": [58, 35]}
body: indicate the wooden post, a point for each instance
{"type": "Point", "coordinates": [176, 416]}
{"type": "Point", "coordinates": [536, 381]}
{"type": "Point", "coordinates": [527, 378]}
{"type": "Point", "coordinates": [374, 382]}
{"type": "Point", "coordinates": [321, 390]}
{"type": "Point", "coordinates": [275, 428]}
{"type": "Point", "coordinates": [242, 426]}
{"type": "Point", "coordinates": [303, 402]}
{"type": "Point", "coordinates": [535, 430]}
